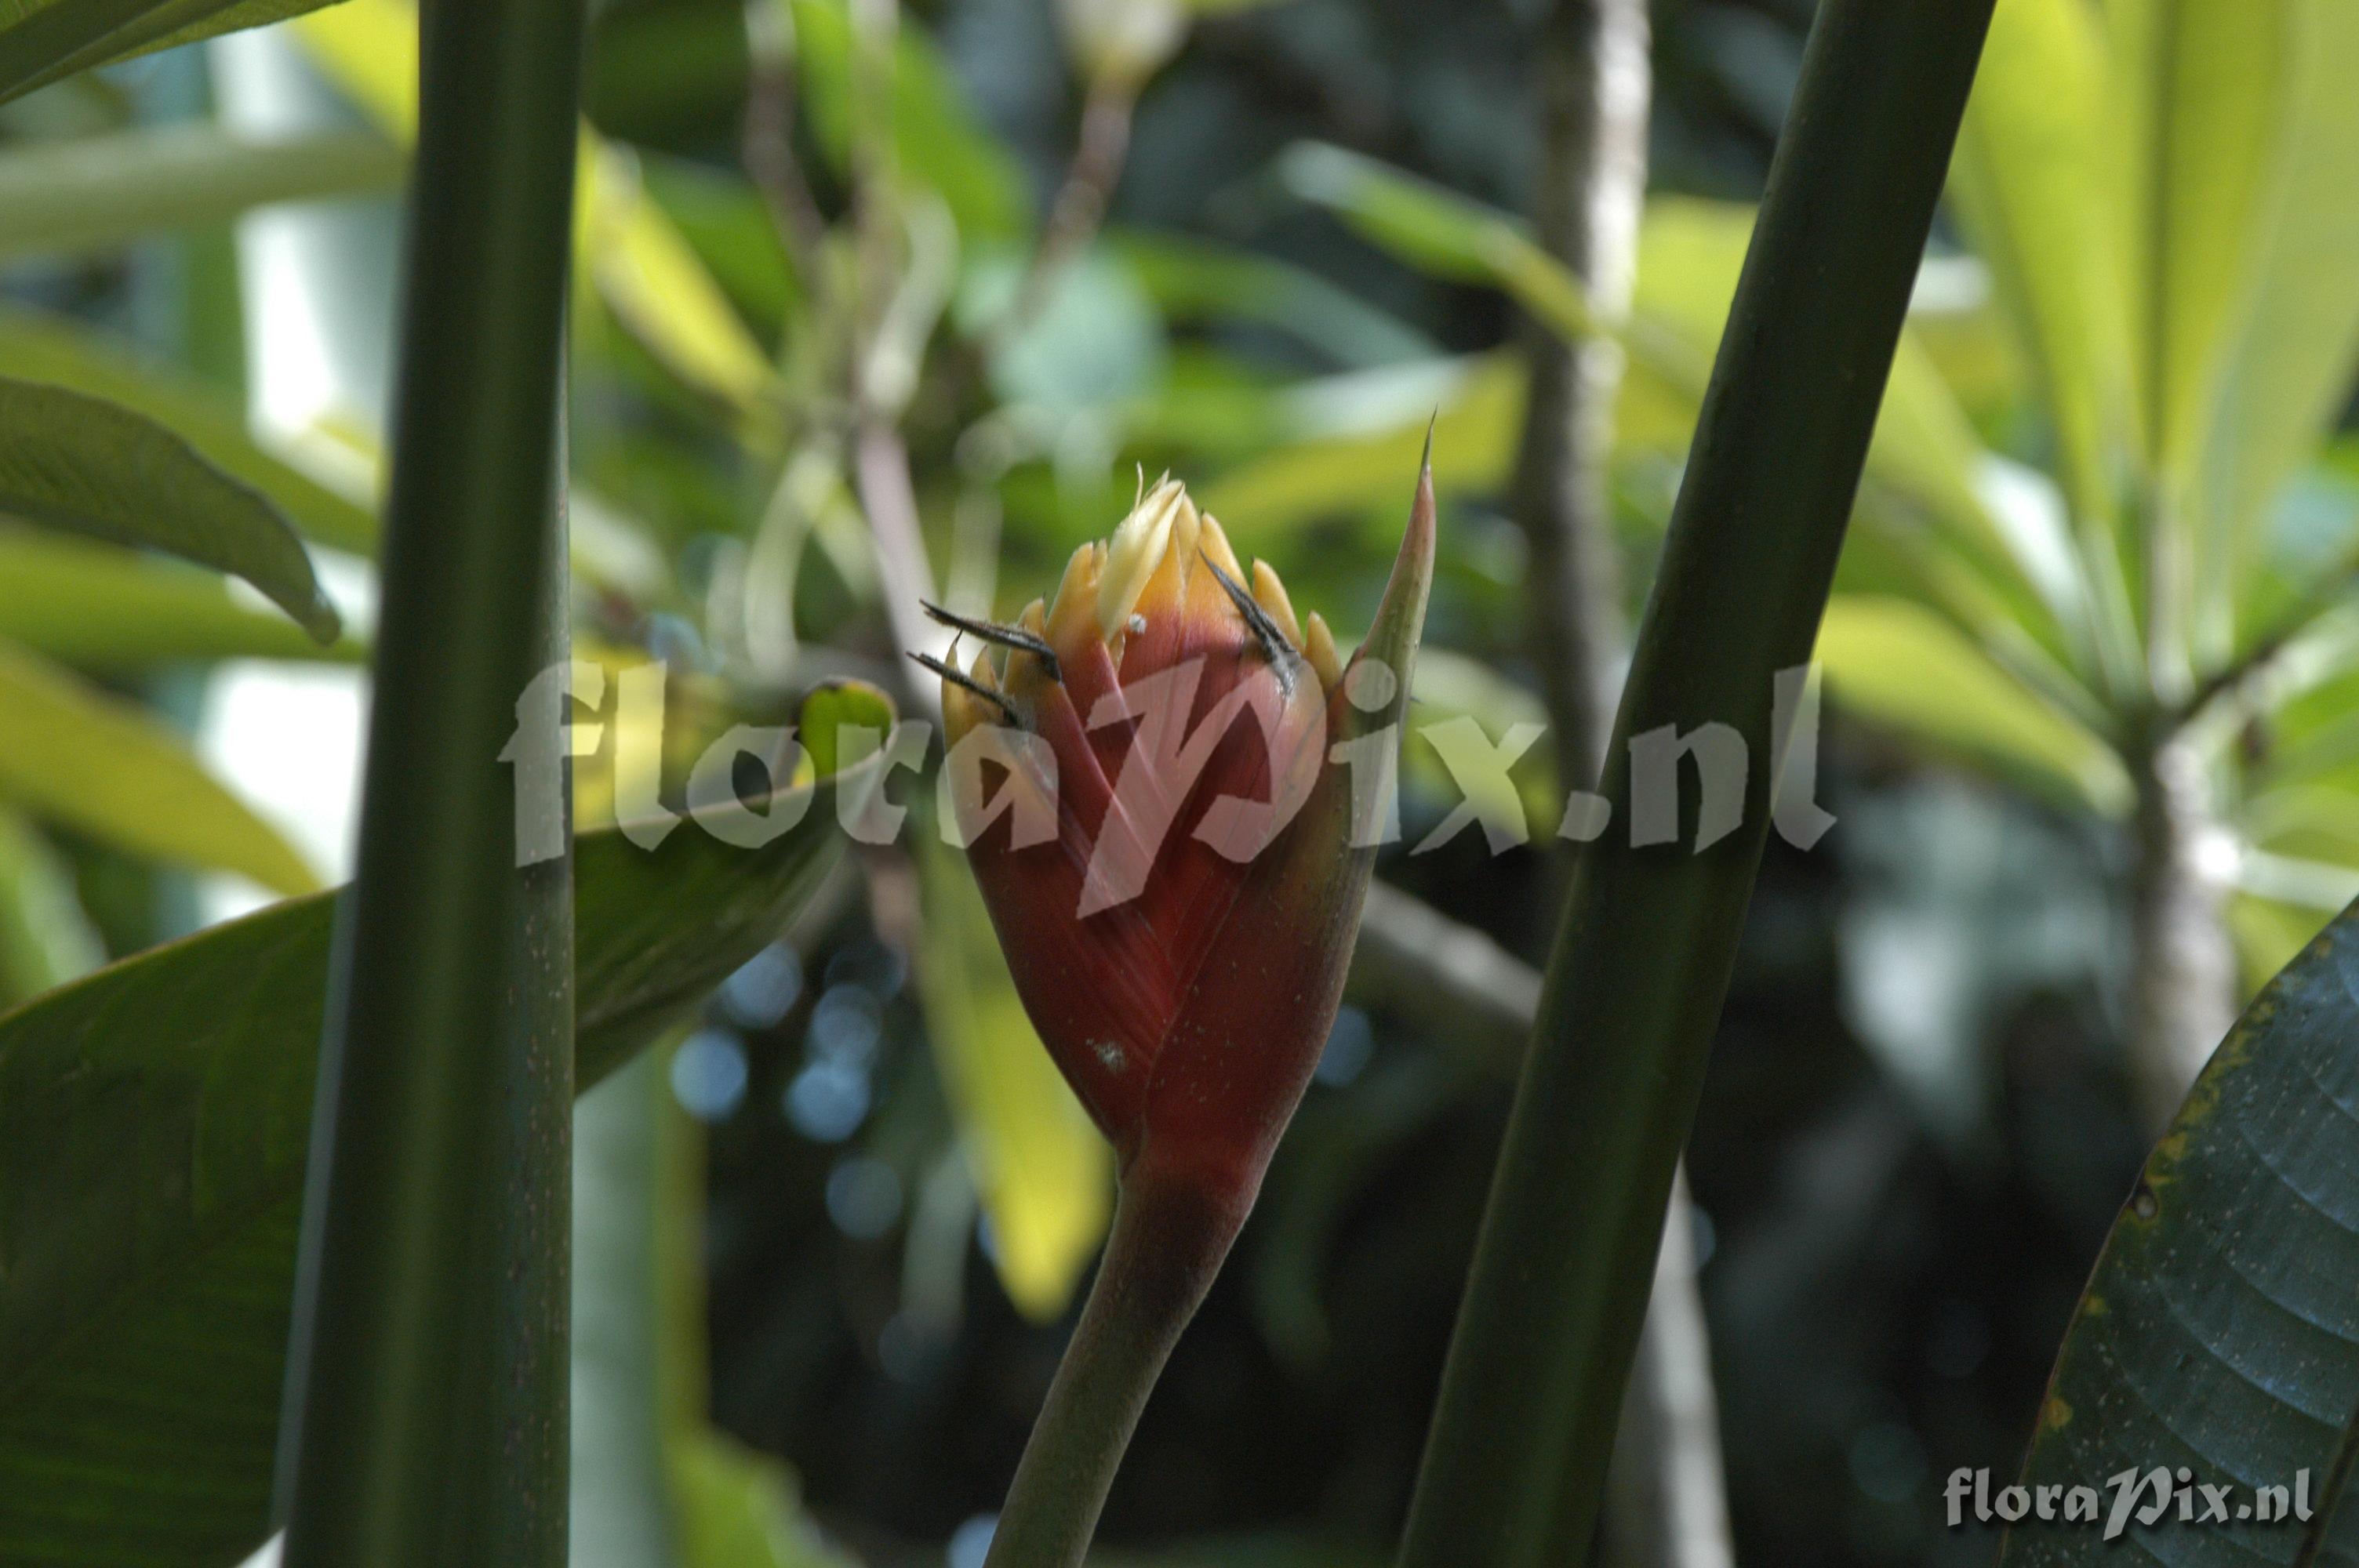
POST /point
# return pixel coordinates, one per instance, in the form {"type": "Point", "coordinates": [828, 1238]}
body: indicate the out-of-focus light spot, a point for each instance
{"type": "Point", "coordinates": [708, 1074]}
{"type": "Point", "coordinates": [1706, 1235]}
{"type": "Point", "coordinates": [869, 963]}
{"type": "Point", "coordinates": [827, 1101]}
{"type": "Point", "coordinates": [1888, 1461]}
{"type": "Point", "coordinates": [970, 1542]}
{"type": "Point", "coordinates": [764, 988]}
{"type": "Point", "coordinates": [863, 1197]}
{"type": "Point", "coordinates": [1349, 1045]}
{"type": "Point", "coordinates": [845, 1027]}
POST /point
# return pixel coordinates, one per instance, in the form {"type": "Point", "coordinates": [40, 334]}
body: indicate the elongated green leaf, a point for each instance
{"type": "Point", "coordinates": [2217, 1330]}
{"type": "Point", "coordinates": [76, 756]}
{"type": "Point", "coordinates": [72, 197]}
{"type": "Point", "coordinates": [2289, 365]}
{"type": "Point", "coordinates": [645, 271]}
{"type": "Point", "coordinates": [1897, 664]}
{"type": "Point", "coordinates": [938, 141]}
{"type": "Point", "coordinates": [51, 349]}
{"type": "Point", "coordinates": [110, 611]}
{"type": "Point", "coordinates": [2030, 177]}
{"type": "Point", "coordinates": [1514, 1467]}
{"type": "Point", "coordinates": [1044, 1173]}
{"type": "Point", "coordinates": [44, 41]}
{"type": "Point", "coordinates": [1689, 256]}
{"type": "Point", "coordinates": [45, 939]}
{"type": "Point", "coordinates": [81, 462]}
{"type": "Point", "coordinates": [154, 1121]}
{"type": "Point", "coordinates": [2195, 108]}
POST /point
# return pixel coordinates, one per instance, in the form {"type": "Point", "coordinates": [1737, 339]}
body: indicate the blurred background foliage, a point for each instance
{"type": "Point", "coordinates": [874, 302]}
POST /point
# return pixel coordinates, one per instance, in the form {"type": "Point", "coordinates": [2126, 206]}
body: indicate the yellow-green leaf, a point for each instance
{"type": "Point", "coordinates": [1045, 1174]}
{"type": "Point", "coordinates": [73, 755]}
{"type": "Point", "coordinates": [1894, 663]}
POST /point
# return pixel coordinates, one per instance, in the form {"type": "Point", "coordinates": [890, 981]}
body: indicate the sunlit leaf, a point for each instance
{"type": "Point", "coordinates": [2028, 177]}
{"type": "Point", "coordinates": [1894, 663]}
{"type": "Point", "coordinates": [2288, 366]}
{"type": "Point", "coordinates": [646, 272]}
{"type": "Point", "coordinates": [73, 755]}
{"type": "Point", "coordinates": [1045, 1174]}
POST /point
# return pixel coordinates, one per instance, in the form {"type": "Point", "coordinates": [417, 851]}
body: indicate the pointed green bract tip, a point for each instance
{"type": "Point", "coordinates": [1400, 623]}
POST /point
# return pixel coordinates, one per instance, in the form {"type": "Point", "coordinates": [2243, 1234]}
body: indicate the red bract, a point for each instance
{"type": "Point", "coordinates": [1166, 840]}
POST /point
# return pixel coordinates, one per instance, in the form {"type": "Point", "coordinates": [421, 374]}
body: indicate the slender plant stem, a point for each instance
{"type": "Point", "coordinates": [1515, 1469]}
{"type": "Point", "coordinates": [1167, 1242]}
{"type": "Point", "coordinates": [426, 1408]}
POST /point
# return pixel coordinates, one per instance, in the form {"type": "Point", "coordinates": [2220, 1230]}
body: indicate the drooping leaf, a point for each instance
{"type": "Point", "coordinates": [2216, 1331]}
{"type": "Point", "coordinates": [69, 353]}
{"type": "Point", "coordinates": [72, 198]}
{"type": "Point", "coordinates": [42, 41]}
{"type": "Point", "coordinates": [1044, 1173]}
{"type": "Point", "coordinates": [75, 756]}
{"type": "Point", "coordinates": [154, 1122]}
{"type": "Point", "coordinates": [80, 463]}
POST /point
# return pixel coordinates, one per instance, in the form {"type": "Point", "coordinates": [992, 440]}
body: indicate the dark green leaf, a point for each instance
{"type": "Point", "coordinates": [44, 41]}
{"type": "Point", "coordinates": [154, 1119]}
{"type": "Point", "coordinates": [2217, 1331]}
{"type": "Point", "coordinates": [34, 347]}
{"type": "Point", "coordinates": [80, 463]}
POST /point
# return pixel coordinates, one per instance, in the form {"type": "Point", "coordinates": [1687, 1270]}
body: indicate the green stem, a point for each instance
{"type": "Point", "coordinates": [1516, 1465]}
{"type": "Point", "coordinates": [1169, 1236]}
{"type": "Point", "coordinates": [427, 1382]}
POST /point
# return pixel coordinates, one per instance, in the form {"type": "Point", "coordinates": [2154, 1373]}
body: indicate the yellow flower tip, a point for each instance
{"type": "Point", "coordinates": [1076, 601]}
{"type": "Point", "coordinates": [1137, 547]}
{"type": "Point", "coordinates": [1270, 594]}
{"type": "Point", "coordinates": [1214, 542]}
{"type": "Point", "coordinates": [1318, 647]}
{"type": "Point", "coordinates": [1027, 671]}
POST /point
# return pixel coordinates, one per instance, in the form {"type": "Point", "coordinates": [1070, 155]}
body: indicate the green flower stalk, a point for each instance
{"type": "Point", "coordinates": [1190, 788]}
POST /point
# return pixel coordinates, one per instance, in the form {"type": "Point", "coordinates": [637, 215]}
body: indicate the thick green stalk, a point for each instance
{"type": "Point", "coordinates": [1517, 1460]}
{"type": "Point", "coordinates": [427, 1385]}
{"type": "Point", "coordinates": [1167, 1244]}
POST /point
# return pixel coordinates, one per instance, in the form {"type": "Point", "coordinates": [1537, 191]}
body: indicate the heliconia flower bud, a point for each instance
{"type": "Point", "coordinates": [1175, 836]}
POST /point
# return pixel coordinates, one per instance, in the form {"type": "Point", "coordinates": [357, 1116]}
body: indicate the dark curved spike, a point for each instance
{"type": "Point", "coordinates": [1273, 641]}
{"type": "Point", "coordinates": [993, 631]}
{"type": "Point", "coordinates": [951, 673]}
